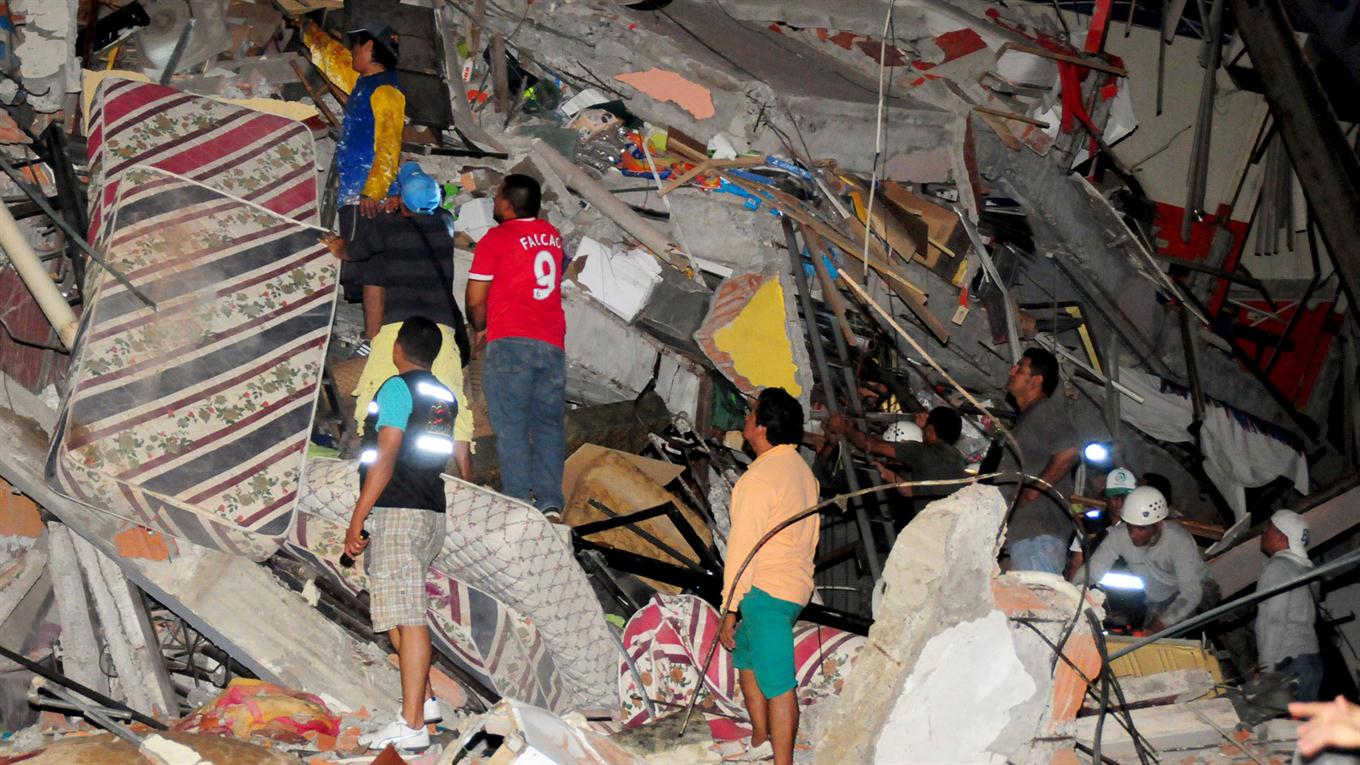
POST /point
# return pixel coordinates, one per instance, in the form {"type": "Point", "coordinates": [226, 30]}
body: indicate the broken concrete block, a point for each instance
{"type": "Point", "coordinates": [80, 650]}
{"type": "Point", "coordinates": [938, 576]}
{"type": "Point", "coordinates": [134, 645]}
{"type": "Point", "coordinates": [970, 665]}
{"type": "Point", "coordinates": [609, 360]}
{"type": "Point", "coordinates": [1174, 726]}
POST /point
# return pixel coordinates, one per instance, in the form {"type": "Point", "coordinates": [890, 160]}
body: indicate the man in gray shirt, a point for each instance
{"type": "Point", "coordinates": [1036, 538]}
{"type": "Point", "coordinates": [1162, 554]}
{"type": "Point", "coordinates": [1286, 642]}
{"type": "Point", "coordinates": [932, 457]}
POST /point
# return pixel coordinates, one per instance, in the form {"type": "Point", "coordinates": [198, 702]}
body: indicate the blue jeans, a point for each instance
{"type": "Point", "coordinates": [1042, 553]}
{"type": "Point", "coordinates": [1307, 669]}
{"type": "Point", "coordinates": [525, 385]}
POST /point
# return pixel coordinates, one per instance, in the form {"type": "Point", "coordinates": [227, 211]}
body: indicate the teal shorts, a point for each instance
{"type": "Point", "coordinates": [765, 641]}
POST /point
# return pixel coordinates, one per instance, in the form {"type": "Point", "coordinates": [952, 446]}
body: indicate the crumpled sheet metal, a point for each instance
{"type": "Point", "coordinates": [192, 419]}
{"type": "Point", "coordinates": [507, 550]}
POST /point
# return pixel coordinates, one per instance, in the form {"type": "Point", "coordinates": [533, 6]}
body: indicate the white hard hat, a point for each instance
{"type": "Point", "coordinates": [1295, 529]}
{"type": "Point", "coordinates": [1144, 506]}
{"type": "Point", "coordinates": [1120, 481]}
{"type": "Point", "coordinates": [903, 430]}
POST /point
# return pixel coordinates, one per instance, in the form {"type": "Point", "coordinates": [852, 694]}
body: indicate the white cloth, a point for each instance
{"type": "Point", "coordinates": [1235, 456]}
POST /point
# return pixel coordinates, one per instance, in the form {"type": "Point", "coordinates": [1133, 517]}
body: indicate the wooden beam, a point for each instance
{"type": "Point", "coordinates": [1089, 63]}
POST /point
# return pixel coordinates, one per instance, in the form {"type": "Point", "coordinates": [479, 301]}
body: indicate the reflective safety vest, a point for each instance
{"type": "Point", "coordinates": [426, 445]}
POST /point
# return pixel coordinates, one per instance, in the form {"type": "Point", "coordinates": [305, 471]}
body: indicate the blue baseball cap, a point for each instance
{"type": "Point", "coordinates": [419, 192]}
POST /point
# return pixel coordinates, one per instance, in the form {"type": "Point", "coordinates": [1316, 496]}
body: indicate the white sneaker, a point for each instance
{"type": "Point", "coordinates": [398, 735]}
{"type": "Point", "coordinates": [433, 713]}
{"type": "Point", "coordinates": [760, 753]}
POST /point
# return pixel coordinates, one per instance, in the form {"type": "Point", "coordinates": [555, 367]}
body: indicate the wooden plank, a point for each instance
{"type": "Point", "coordinates": [685, 177]}
{"type": "Point", "coordinates": [878, 260]}
{"type": "Point", "coordinates": [1099, 66]}
{"type": "Point", "coordinates": [908, 243]}
{"type": "Point", "coordinates": [1005, 115]}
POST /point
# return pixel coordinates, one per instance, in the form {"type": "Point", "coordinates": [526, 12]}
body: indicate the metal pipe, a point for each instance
{"type": "Point", "coordinates": [1199, 156]}
{"type": "Point", "coordinates": [39, 282]}
{"type": "Point", "coordinates": [71, 233]}
{"type": "Point", "coordinates": [1052, 344]}
{"type": "Point", "coordinates": [95, 714]}
{"type": "Point", "coordinates": [88, 693]}
{"type": "Point", "coordinates": [866, 532]}
{"type": "Point", "coordinates": [1185, 625]}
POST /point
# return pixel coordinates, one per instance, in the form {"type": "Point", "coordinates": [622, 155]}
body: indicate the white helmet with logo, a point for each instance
{"type": "Point", "coordinates": [903, 430]}
{"type": "Point", "coordinates": [1144, 506]}
{"type": "Point", "coordinates": [1120, 481]}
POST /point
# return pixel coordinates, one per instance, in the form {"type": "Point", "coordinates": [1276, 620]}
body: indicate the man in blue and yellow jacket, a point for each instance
{"type": "Point", "coordinates": [369, 149]}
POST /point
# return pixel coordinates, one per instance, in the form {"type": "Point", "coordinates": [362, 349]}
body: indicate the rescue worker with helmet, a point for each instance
{"type": "Point", "coordinates": [1163, 555]}
{"type": "Point", "coordinates": [1118, 483]}
{"type": "Point", "coordinates": [924, 446]}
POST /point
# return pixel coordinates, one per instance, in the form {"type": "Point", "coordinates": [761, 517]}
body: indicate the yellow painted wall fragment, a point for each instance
{"type": "Point", "coordinates": [758, 342]}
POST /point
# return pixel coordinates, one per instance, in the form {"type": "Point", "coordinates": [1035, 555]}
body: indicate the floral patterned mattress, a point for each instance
{"type": "Point", "coordinates": [193, 418]}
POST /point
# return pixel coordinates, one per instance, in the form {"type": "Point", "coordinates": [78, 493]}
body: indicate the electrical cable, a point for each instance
{"type": "Point", "coordinates": [1126, 724]}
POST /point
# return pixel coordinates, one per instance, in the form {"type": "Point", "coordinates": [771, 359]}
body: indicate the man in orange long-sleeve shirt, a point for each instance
{"type": "Point", "coordinates": [776, 585]}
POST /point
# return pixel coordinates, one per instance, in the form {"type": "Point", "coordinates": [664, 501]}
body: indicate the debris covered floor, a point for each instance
{"type": "Point", "coordinates": [876, 206]}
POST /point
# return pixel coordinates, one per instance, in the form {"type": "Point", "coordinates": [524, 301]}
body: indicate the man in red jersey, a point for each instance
{"type": "Point", "coordinates": [514, 296]}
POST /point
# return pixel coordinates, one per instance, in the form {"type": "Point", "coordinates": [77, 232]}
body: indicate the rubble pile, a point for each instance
{"type": "Point", "coordinates": [874, 207]}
